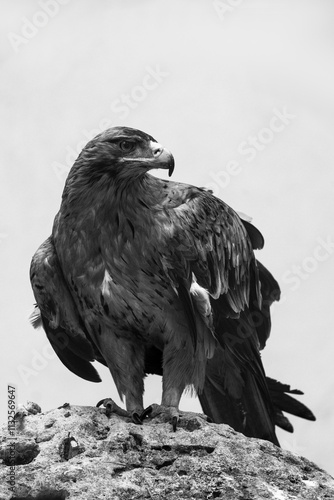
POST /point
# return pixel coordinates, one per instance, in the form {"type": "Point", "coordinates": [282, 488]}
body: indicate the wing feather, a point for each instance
{"type": "Point", "coordinates": [58, 314]}
{"type": "Point", "coordinates": [210, 240]}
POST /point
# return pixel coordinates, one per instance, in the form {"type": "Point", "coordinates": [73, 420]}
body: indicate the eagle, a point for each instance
{"type": "Point", "coordinates": [147, 275]}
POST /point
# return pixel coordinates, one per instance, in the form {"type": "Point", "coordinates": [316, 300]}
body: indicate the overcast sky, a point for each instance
{"type": "Point", "coordinates": [242, 94]}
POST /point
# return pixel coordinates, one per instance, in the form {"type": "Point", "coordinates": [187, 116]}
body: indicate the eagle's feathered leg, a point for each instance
{"type": "Point", "coordinates": [125, 360]}
{"type": "Point", "coordinates": [172, 389]}
{"type": "Point", "coordinates": [176, 372]}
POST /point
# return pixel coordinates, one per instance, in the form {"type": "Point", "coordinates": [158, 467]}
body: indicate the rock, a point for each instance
{"type": "Point", "coordinates": [29, 408]}
{"type": "Point", "coordinates": [85, 455]}
{"type": "Point", "coordinates": [20, 452]}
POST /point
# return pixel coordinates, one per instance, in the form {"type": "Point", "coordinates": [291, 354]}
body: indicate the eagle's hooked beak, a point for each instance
{"type": "Point", "coordinates": [162, 157]}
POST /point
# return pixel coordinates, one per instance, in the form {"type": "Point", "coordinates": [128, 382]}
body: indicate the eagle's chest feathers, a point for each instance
{"type": "Point", "coordinates": [134, 282]}
{"type": "Point", "coordinates": [116, 261]}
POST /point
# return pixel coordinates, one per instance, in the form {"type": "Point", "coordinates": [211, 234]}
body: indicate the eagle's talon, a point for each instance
{"type": "Point", "coordinates": [108, 410]}
{"type": "Point", "coordinates": [146, 413]}
{"type": "Point", "coordinates": [136, 418]}
{"type": "Point", "coordinates": [112, 407]}
{"type": "Point", "coordinates": [100, 403]}
{"type": "Point", "coordinates": [164, 413]}
{"type": "Point", "coordinates": [174, 423]}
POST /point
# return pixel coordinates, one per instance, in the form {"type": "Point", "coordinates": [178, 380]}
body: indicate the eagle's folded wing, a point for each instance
{"type": "Point", "coordinates": [59, 315]}
{"type": "Point", "coordinates": [235, 390]}
{"type": "Point", "coordinates": [208, 240]}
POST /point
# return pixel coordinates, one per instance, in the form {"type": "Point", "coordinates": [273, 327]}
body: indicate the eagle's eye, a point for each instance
{"type": "Point", "coordinates": [127, 146]}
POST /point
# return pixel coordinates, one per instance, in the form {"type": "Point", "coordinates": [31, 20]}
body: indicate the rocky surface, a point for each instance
{"type": "Point", "coordinates": [78, 452]}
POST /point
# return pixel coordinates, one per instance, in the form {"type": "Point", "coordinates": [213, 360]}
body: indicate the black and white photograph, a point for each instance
{"type": "Point", "coordinates": [167, 249]}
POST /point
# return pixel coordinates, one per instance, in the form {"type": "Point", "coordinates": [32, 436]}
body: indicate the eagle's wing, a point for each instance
{"type": "Point", "coordinates": [235, 390]}
{"type": "Point", "coordinates": [58, 314]}
{"type": "Point", "coordinates": [207, 240]}
{"type": "Point", "coordinates": [210, 242]}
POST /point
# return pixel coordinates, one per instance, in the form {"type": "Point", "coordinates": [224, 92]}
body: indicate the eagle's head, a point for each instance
{"type": "Point", "coordinates": [122, 153]}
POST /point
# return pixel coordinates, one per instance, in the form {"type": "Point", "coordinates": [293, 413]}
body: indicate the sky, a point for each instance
{"type": "Point", "coordinates": [241, 92]}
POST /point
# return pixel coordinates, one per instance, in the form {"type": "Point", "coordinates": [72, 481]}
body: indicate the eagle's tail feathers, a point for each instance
{"type": "Point", "coordinates": [251, 413]}
{"type": "Point", "coordinates": [283, 402]}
